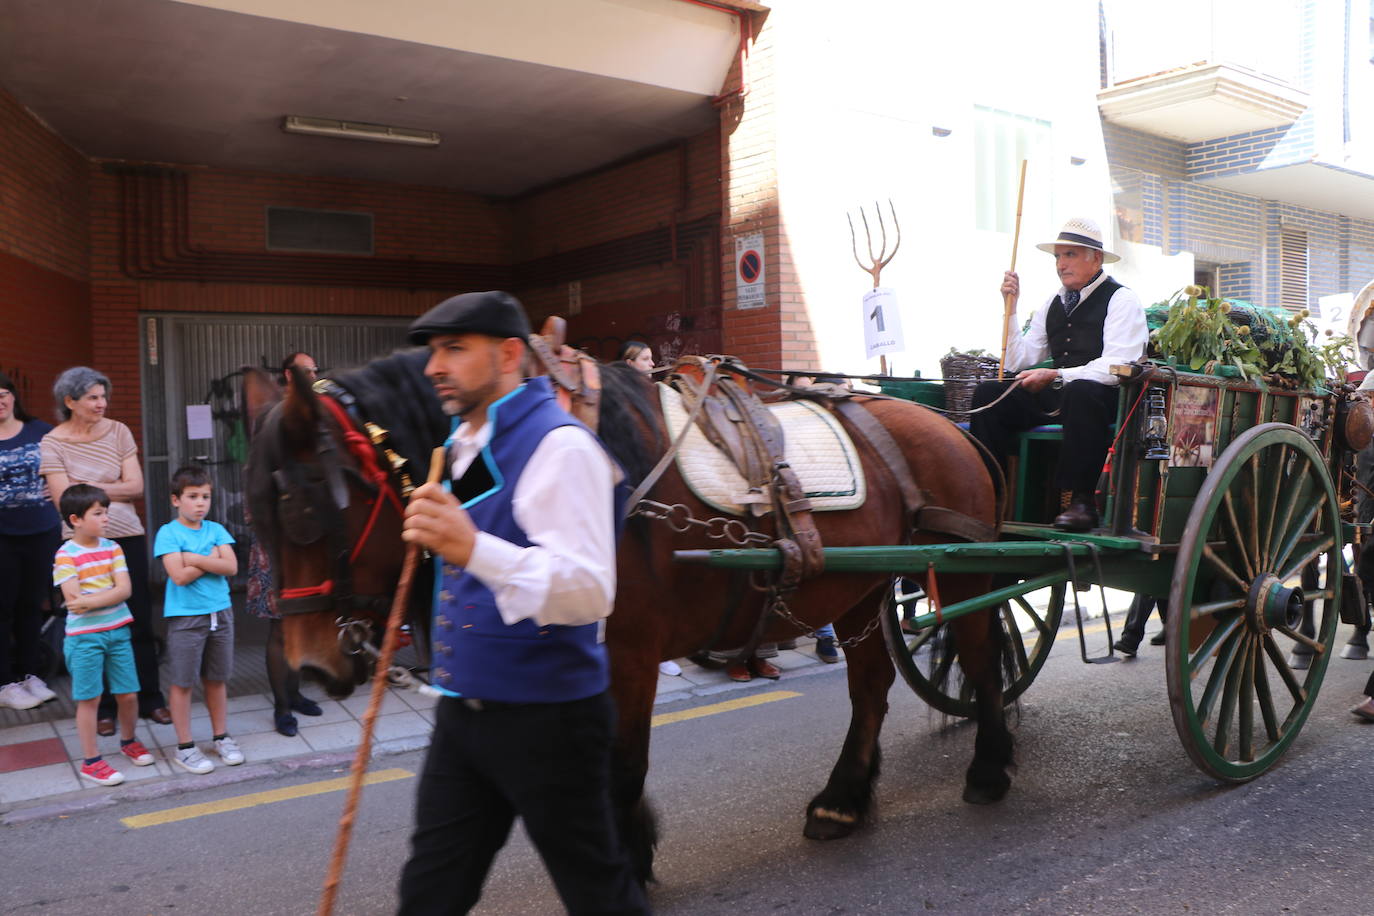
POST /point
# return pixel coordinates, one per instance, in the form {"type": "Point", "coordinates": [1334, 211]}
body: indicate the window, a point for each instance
{"type": "Point", "coordinates": [1001, 141]}
{"type": "Point", "coordinates": [1293, 269]}
{"type": "Point", "coordinates": [329, 231]}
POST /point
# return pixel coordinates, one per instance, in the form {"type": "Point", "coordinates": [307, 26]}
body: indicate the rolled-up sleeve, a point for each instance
{"type": "Point", "coordinates": [563, 503]}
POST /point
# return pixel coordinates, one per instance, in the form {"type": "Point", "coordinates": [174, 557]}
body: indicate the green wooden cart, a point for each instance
{"type": "Point", "coordinates": [1222, 498]}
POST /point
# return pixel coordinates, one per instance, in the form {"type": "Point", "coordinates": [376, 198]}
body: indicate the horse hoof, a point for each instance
{"type": "Point", "coordinates": [825, 824]}
{"type": "Point", "coordinates": [985, 795]}
{"type": "Point", "coordinates": [1299, 662]}
{"type": "Point", "coordinates": [1357, 653]}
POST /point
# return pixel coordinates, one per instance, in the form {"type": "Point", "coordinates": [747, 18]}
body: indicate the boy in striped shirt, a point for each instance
{"type": "Point", "coordinates": [94, 579]}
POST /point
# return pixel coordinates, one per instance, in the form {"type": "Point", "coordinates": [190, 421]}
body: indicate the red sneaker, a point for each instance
{"type": "Point", "coordinates": [138, 754]}
{"type": "Point", "coordinates": [101, 773]}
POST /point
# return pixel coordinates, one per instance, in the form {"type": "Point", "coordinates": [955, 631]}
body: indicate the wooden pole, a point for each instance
{"type": "Point", "coordinates": [374, 705]}
{"type": "Point", "coordinates": [1009, 307]}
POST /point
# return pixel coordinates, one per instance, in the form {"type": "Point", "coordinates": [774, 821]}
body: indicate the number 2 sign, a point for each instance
{"type": "Point", "coordinates": [882, 323]}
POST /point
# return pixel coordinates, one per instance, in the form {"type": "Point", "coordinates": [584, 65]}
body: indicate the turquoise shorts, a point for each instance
{"type": "Point", "coordinates": [95, 658]}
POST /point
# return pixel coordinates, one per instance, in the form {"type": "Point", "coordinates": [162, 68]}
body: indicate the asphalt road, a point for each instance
{"type": "Point", "coordinates": [1106, 815]}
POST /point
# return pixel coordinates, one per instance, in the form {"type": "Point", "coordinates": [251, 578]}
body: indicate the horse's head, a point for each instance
{"type": "Point", "coordinates": [330, 522]}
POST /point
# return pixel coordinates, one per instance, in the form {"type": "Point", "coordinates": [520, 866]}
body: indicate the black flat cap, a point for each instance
{"type": "Point", "coordinates": [494, 313]}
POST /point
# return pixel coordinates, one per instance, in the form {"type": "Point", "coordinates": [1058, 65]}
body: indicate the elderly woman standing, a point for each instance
{"type": "Point", "coordinates": [89, 447]}
{"type": "Point", "coordinates": [29, 536]}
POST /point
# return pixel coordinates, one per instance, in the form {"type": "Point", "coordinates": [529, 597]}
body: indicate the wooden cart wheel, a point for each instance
{"type": "Point", "coordinates": [926, 657]}
{"type": "Point", "coordinates": [1266, 512]}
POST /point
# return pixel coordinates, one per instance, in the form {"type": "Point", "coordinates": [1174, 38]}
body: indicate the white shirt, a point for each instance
{"type": "Point", "coordinates": [562, 501]}
{"type": "Point", "coordinates": [1124, 336]}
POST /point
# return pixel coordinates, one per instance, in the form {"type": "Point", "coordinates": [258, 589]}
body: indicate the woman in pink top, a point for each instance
{"type": "Point", "coordinates": [89, 447]}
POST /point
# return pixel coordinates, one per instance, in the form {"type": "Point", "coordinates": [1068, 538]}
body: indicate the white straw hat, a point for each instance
{"type": "Point", "coordinates": [1083, 232]}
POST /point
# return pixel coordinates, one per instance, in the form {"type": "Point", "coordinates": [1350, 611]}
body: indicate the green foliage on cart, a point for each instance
{"type": "Point", "coordinates": [1196, 331]}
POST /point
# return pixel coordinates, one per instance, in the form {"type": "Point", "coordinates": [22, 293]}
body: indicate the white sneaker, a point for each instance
{"type": "Point", "coordinates": [16, 697]}
{"type": "Point", "coordinates": [37, 689]}
{"type": "Point", "coordinates": [670, 668]}
{"type": "Point", "coordinates": [228, 750]}
{"type": "Point", "coordinates": [193, 761]}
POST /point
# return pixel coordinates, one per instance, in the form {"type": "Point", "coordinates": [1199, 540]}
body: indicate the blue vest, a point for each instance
{"type": "Point", "coordinates": [476, 654]}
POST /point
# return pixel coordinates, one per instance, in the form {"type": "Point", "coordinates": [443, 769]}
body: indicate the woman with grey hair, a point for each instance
{"type": "Point", "coordinates": [89, 447]}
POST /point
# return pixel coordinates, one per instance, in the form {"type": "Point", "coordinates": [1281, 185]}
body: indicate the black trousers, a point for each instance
{"type": "Point", "coordinates": [548, 763]}
{"type": "Point", "coordinates": [25, 581]}
{"type": "Point", "coordinates": [1086, 410]}
{"type": "Point", "coordinates": [140, 632]}
{"type": "Point", "coordinates": [1139, 615]}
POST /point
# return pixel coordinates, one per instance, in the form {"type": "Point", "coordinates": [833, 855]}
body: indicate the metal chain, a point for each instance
{"type": "Point", "coordinates": [679, 517]}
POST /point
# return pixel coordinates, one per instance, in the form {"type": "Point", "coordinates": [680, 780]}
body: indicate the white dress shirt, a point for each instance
{"type": "Point", "coordinates": [562, 501]}
{"type": "Point", "coordinates": [1124, 336]}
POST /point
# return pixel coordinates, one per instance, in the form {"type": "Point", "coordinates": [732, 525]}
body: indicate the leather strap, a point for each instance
{"type": "Point", "coordinates": [882, 442]}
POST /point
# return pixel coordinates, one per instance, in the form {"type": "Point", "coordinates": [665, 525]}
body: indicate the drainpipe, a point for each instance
{"type": "Point", "coordinates": [746, 33]}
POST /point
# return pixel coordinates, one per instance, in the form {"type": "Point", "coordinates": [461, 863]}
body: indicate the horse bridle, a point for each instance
{"type": "Point", "coordinates": [312, 496]}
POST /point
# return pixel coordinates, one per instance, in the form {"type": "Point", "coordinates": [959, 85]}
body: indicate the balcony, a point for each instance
{"type": "Point", "coordinates": [1201, 102]}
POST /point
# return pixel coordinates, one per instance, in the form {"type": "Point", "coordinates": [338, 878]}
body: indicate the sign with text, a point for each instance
{"type": "Point", "coordinates": [749, 273]}
{"type": "Point", "coordinates": [882, 323]}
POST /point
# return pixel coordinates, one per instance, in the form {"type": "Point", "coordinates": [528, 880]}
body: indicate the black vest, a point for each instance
{"type": "Point", "coordinates": [1076, 339]}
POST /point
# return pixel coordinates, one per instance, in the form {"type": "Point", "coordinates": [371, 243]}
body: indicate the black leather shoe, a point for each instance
{"type": "Point", "coordinates": [286, 724]}
{"type": "Point", "coordinates": [1126, 647]}
{"type": "Point", "coordinates": [105, 727]}
{"type": "Point", "coordinates": [1158, 639]}
{"type": "Point", "coordinates": [1080, 516]}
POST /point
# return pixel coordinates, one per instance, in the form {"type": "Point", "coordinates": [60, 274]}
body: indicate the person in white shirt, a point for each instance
{"type": "Point", "coordinates": [1089, 325]}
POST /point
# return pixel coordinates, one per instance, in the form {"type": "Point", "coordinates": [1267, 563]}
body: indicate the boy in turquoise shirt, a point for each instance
{"type": "Point", "coordinates": [199, 558]}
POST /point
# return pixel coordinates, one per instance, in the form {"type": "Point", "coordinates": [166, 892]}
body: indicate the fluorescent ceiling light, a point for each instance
{"type": "Point", "coordinates": [357, 130]}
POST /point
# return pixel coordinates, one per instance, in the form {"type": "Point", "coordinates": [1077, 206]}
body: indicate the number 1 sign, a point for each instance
{"type": "Point", "coordinates": [882, 323]}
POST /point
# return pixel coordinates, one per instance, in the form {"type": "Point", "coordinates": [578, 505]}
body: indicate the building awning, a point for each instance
{"type": "Point", "coordinates": [1315, 185]}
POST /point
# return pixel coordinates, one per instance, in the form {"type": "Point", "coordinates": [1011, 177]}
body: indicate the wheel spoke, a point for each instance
{"type": "Point", "coordinates": [1299, 531]}
{"type": "Point", "coordinates": [1311, 554]}
{"type": "Point", "coordinates": [1246, 726]}
{"type": "Point", "coordinates": [1221, 671]}
{"type": "Point", "coordinates": [1308, 641]}
{"type": "Point", "coordinates": [1040, 625]}
{"type": "Point", "coordinates": [919, 641]}
{"type": "Point", "coordinates": [1221, 739]}
{"type": "Point", "coordinates": [1273, 508]}
{"type": "Point", "coordinates": [1291, 503]}
{"type": "Point", "coordinates": [1220, 566]}
{"type": "Point", "coordinates": [1325, 594]}
{"type": "Point", "coordinates": [1209, 645]}
{"type": "Point", "coordinates": [940, 671]}
{"type": "Point", "coordinates": [1265, 699]}
{"type": "Point", "coordinates": [1022, 662]}
{"type": "Point", "coordinates": [1285, 673]}
{"type": "Point", "coordinates": [1238, 536]}
{"type": "Point", "coordinates": [1212, 607]}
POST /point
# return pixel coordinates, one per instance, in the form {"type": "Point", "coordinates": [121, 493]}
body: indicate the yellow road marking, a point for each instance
{"type": "Point", "coordinates": [1072, 632]}
{"type": "Point", "coordinates": [728, 706]}
{"type": "Point", "coordinates": [186, 812]}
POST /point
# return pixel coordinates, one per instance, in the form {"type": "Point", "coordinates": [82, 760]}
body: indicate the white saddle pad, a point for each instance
{"type": "Point", "coordinates": [817, 447]}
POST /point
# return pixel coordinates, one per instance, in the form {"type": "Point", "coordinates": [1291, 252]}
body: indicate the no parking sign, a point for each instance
{"type": "Point", "coordinates": [749, 273]}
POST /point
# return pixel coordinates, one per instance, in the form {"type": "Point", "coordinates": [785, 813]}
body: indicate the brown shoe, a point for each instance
{"type": "Point", "coordinates": [104, 727]}
{"type": "Point", "coordinates": [1080, 516]}
{"type": "Point", "coordinates": [764, 668]}
{"type": "Point", "coordinates": [162, 716]}
{"type": "Point", "coordinates": [738, 671]}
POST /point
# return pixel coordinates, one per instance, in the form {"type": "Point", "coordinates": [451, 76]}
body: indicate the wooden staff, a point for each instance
{"type": "Point", "coordinates": [389, 639]}
{"type": "Point", "coordinates": [1008, 306]}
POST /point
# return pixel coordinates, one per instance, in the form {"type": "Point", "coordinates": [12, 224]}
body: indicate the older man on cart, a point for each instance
{"type": "Point", "coordinates": [1091, 323]}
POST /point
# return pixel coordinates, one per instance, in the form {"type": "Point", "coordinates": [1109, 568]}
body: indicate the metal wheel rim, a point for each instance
{"type": "Point", "coordinates": [1241, 666]}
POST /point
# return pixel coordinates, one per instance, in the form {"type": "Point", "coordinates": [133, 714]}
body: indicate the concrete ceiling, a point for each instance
{"type": "Point", "coordinates": [163, 81]}
{"type": "Point", "coordinates": [1314, 185]}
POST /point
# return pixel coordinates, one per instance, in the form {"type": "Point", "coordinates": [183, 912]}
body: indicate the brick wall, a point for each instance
{"type": "Point", "coordinates": [43, 255]}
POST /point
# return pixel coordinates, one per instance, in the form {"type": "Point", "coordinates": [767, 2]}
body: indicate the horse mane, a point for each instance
{"type": "Point", "coordinates": [393, 392]}
{"type": "Point", "coordinates": [626, 406]}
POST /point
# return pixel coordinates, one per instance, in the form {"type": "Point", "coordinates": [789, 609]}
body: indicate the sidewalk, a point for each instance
{"type": "Point", "coordinates": [40, 753]}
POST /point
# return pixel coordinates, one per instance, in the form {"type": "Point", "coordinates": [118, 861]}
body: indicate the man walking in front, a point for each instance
{"type": "Point", "coordinates": [1086, 327]}
{"type": "Point", "coordinates": [525, 541]}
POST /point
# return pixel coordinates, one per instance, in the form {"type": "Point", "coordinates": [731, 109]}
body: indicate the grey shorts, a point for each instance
{"type": "Point", "coordinates": [196, 653]}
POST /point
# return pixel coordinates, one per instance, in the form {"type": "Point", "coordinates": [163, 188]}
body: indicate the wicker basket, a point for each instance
{"type": "Point", "coordinates": [962, 374]}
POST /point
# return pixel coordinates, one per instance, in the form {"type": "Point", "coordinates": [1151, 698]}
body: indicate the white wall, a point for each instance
{"type": "Point", "coordinates": [859, 88]}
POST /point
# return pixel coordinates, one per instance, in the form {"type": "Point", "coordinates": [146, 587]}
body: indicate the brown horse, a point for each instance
{"type": "Point", "coordinates": [331, 523]}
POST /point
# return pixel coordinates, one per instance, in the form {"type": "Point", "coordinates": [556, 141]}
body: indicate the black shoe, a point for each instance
{"type": "Point", "coordinates": [1125, 647]}
{"type": "Point", "coordinates": [286, 724]}
{"type": "Point", "coordinates": [305, 706]}
{"type": "Point", "coordinates": [1158, 639]}
{"type": "Point", "coordinates": [1080, 516]}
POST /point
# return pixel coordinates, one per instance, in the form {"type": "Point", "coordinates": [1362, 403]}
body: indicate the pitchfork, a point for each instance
{"type": "Point", "coordinates": [876, 261]}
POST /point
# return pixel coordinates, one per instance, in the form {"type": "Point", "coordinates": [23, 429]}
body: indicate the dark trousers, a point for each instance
{"type": "Point", "coordinates": [140, 632]}
{"type": "Point", "coordinates": [1086, 410]}
{"type": "Point", "coordinates": [548, 763]}
{"type": "Point", "coordinates": [1139, 615]}
{"type": "Point", "coordinates": [25, 582]}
